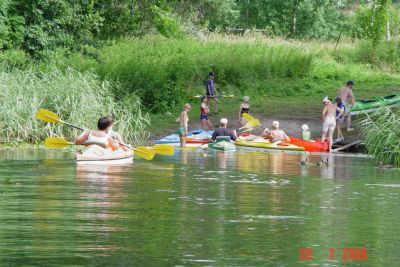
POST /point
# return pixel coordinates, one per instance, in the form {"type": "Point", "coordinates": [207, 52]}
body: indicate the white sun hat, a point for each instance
{"type": "Point", "coordinates": [224, 121]}
{"type": "Point", "coordinates": [304, 127]}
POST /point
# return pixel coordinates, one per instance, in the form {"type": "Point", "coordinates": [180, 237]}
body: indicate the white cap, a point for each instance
{"type": "Point", "coordinates": [275, 124]}
{"type": "Point", "coordinates": [304, 127]}
{"type": "Point", "coordinates": [326, 99]}
{"type": "Point", "coordinates": [224, 121]}
{"type": "Point", "coordinates": [246, 98]}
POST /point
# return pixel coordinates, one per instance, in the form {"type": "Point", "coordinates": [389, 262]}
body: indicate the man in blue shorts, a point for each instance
{"type": "Point", "coordinates": [211, 92]}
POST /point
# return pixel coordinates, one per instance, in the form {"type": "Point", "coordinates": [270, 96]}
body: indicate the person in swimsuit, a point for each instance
{"type": "Point", "coordinates": [244, 108]}
{"type": "Point", "coordinates": [99, 137]}
{"type": "Point", "coordinates": [339, 119]}
{"type": "Point", "coordinates": [183, 121]}
{"type": "Point", "coordinates": [211, 92]}
{"type": "Point", "coordinates": [276, 134]}
{"type": "Point", "coordinates": [346, 94]}
{"type": "Point", "coordinates": [204, 110]}
{"type": "Point", "coordinates": [329, 120]}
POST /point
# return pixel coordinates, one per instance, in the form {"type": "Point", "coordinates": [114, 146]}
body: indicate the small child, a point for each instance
{"type": "Point", "coordinates": [305, 133]}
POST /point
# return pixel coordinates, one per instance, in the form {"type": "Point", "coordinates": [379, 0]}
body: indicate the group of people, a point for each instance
{"type": "Point", "coordinates": [333, 116]}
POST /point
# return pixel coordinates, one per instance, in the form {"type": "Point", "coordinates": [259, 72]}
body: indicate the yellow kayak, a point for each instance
{"type": "Point", "coordinates": [263, 144]}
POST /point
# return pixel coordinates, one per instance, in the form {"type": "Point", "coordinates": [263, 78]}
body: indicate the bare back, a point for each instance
{"type": "Point", "coordinates": [329, 110]}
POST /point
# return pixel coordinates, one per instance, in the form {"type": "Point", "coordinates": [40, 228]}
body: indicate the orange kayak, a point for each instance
{"type": "Point", "coordinates": [311, 146]}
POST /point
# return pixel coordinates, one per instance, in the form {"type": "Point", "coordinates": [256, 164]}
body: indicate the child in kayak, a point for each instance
{"type": "Point", "coordinates": [183, 121]}
{"type": "Point", "coordinates": [244, 108]}
{"type": "Point", "coordinates": [99, 137]}
{"type": "Point", "coordinates": [116, 135]}
{"type": "Point", "coordinates": [305, 133]}
{"type": "Point", "coordinates": [204, 110]}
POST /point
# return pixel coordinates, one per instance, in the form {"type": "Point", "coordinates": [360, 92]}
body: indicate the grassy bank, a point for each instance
{"type": "Point", "coordinates": [79, 98]}
{"type": "Point", "coordinates": [381, 132]}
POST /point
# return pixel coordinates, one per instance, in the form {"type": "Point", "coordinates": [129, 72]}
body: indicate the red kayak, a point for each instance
{"type": "Point", "coordinates": [311, 146]}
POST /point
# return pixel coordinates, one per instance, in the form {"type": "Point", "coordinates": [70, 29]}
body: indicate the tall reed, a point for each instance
{"type": "Point", "coordinates": [79, 98]}
{"type": "Point", "coordinates": [381, 132]}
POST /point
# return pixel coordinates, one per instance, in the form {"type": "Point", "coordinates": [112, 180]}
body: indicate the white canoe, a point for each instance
{"type": "Point", "coordinates": [94, 154]}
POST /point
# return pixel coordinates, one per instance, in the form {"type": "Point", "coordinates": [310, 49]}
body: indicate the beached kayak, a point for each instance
{"type": "Point", "coordinates": [194, 138]}
{"type": "Point", "coordinates": [95, 154]}
{"type": "Point", "coordinates": [366, 106]}
{"type": "Point", "coordinates": [310, 146]}
{"type": "Point", "coordinates": [262, 144]}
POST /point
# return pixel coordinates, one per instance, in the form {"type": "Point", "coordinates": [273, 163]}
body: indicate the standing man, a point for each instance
{"type": "Point", "coordinates": [211, 92]}
{"type": "Point", "coordinates": [346, 94]}
{"type": "Point", "coordinates": [329, 120]}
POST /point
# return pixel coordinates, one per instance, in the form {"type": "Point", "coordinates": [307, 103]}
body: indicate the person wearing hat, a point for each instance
{"type": "Point", "coordinates": [346, 94]}
{"type": "Point", "coordinates": [203, 114]}
{"type": "Point", "coordinates": [244, 108]}
{"type": "Point", "coordinates": [276, 134]}
{"type": "Point", "coordinates": [305, 133]}
{"type": "Point", "coordinates": [329, 120]}
{"type": "Point", "coordinates": [211, 92]}
{"type": "Point", "coordinates": [223, 131]}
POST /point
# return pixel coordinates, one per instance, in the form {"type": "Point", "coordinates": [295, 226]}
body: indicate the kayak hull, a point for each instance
{"type": "Point", "coordinates": [310, 146]}
{"type": "Point", "coordinates": [367, 106]}
{"type": "Point", "coordinates": [193, 137]}
{"type": "Point", "coordinates": [222, 145]}
{"type": "Point", "coordinates": [97, 155]}
{"type": "Point", "coordinates": [267, 146]}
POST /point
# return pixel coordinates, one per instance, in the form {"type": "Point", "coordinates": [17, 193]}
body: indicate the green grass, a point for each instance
{"type": "Point", "coordinates": [381, 134]}
{"type": "Point", "coordinates": [79, 98]}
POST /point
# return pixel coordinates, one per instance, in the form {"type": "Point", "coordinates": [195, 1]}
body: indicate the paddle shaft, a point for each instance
{"type": "Point", "coordinates": [71, 125]}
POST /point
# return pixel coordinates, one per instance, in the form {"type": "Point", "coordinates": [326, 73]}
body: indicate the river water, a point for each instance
{"type": "Point", "coordinates": [197, 209]}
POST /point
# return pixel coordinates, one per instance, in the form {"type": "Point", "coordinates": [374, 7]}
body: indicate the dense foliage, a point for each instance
{"type": "Point", "coordinates": [39, 26]}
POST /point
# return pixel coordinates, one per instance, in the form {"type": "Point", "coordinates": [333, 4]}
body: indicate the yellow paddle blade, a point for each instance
{"type": "Point", "coordinates": [144, 152]}
{"type": "Point", "coordinates": [54, 142]}
{"type": "Point", "coordinates": [248, 117]}
{"type": "Point", "coordinates": [252, 124]}
{"type": "Point", "coordinates": [47, 116]}
{"type": "Point", "coordinates": [163, 149]}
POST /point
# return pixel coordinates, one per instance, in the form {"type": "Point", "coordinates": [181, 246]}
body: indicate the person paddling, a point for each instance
{"type": "Point", "coordinates": [223, 131]}
{"type": "Point", "coordinates": [346, 95]}
{"type": "Point", "coordinates": [211, 92]}
{"type": "Point", "coordinates": [244, 108]}
{"type": "Point", "coordinates": [276, 134]}
{"type": "Point", "coordinates": [183, 121]}
{"type": "Point", "coordinates": [99, 137]}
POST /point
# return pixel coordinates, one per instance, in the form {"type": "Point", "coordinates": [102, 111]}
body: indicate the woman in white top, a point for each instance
{"type": "Point", "coordinates": [101, 137]}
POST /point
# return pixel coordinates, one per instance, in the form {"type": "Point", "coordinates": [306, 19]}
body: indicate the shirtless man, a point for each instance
{"type": "Point", "coordinates": [329, 120]}
{"type": "Point", "coordinates": [346, 94]}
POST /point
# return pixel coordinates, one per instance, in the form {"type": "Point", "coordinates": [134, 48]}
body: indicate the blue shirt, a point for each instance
{"type": "Point", "coordinates": [341, 106]}
{"type": "Point", "coordinates": [210, 87]}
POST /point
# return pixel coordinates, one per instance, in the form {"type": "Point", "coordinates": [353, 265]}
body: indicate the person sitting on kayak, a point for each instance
{"type": "Point", "coordinates": [244, 108]}
{"type": "Point", "coordinates": [305, 133]}
{"type": "Point", "coordinates": [276, 134]}
{"type": "Point", "coordinates": [183, 121]}
{"type": "Point", "coordinates": [339, 119]}
{"type": "Point", "coordinates": [99, 137]}
{"type": "Point", "coordinates": [204, 110]}
{"type": "Point", "coordinates": [223, 131]}
{"type": "Point", "coordinates": [115, 135]}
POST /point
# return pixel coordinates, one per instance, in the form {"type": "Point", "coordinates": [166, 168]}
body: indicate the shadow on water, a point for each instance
{"type": "Point", "coordinates": [195, 208]}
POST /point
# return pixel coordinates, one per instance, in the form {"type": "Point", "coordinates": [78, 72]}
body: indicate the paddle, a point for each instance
{"type": "Point", "coordinates": [217, 96]}
{"type": "Point", "coordinates": [250, 118]}
{"type": "Point", "coordinates": [163, 149]}
{"type": "Point", "coordinates": [51, 117]}
{"type": "Point", "coordinates": [56, 142]}
{"type": "Point", "coordinates": [251, 124]}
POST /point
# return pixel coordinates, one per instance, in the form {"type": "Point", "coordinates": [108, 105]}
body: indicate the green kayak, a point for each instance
{"type": "Point", "coordinates": [366, 106]}
{"type": "Point", "coordinates": [222, 143]}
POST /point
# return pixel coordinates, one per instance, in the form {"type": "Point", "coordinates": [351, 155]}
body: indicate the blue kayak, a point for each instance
{"type": "Point", "coordinates": [196, 136]}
